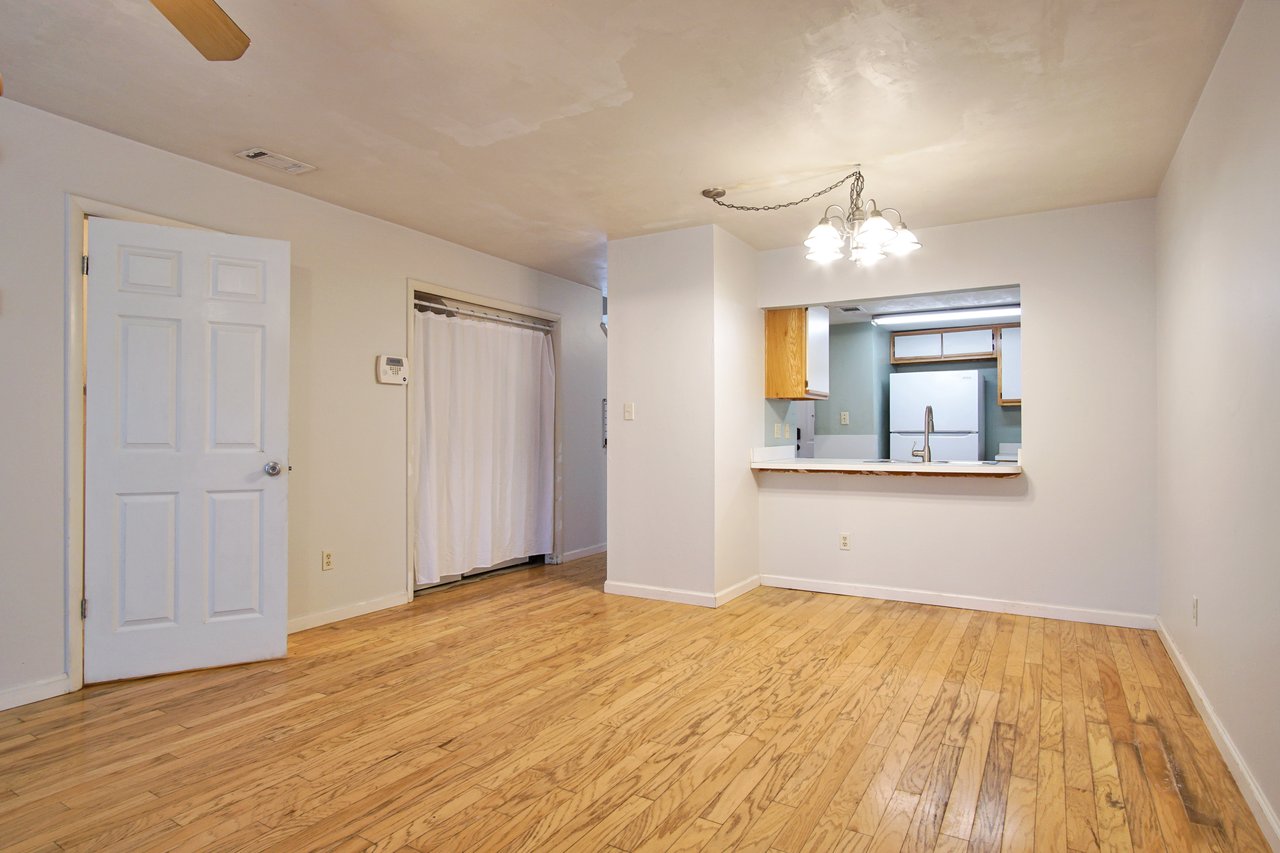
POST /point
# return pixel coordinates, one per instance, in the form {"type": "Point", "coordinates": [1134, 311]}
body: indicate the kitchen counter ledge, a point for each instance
{"type": "Point", "coordinates": [890, 469]}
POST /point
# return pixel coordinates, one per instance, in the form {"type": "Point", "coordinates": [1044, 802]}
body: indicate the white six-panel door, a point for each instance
{"type": "Point", "coordinates": [187, 367]}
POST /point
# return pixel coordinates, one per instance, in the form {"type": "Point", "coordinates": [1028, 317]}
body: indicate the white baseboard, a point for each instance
{"type": "Point", "coordinates": [360, 608]}
{"type": "Point", "coordinates": [682, 596]}
{"type": "Point", "coordinates": [969, 602]}
{"type": "Point", "coordinates": [660, 593]}
{"type": "Point", "coordinates": [579, 553]}
{"type": "Point", "coordinates": [737, 589]}
{"type": "Point", "coordinates": [1262, 810]}
{"type": "Point", "coordinates": [25, 694]}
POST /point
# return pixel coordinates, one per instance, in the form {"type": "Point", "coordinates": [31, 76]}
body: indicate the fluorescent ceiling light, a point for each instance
{"type": "Point", "coordinates": [993, 313]}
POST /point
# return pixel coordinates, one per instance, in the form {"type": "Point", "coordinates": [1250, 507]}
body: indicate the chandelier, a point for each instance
{"type": "Point", "coordinates": [863, 233]}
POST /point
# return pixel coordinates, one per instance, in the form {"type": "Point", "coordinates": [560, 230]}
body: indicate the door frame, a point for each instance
{"type": "Point", "coordinates": [75, 422]}
{"type": "Point", "coordinates": [411, 420]}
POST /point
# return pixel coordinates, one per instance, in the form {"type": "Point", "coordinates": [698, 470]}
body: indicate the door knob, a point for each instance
{"type": "Point", "coordinates": [272, 469]}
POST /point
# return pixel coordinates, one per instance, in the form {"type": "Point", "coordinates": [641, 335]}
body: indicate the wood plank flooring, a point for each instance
{"type": "Point", "coordinates": [532, 712]}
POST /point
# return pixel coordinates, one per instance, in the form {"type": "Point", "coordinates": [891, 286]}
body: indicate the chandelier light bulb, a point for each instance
{"type": "Point", "coordinates": [824, 236]}
{"type": "Point", "coordinates": [824, 256]}
{"type": "Point", "coordinates": [904, 244]}
{"type": "Point", "coordinates": [875, 232]}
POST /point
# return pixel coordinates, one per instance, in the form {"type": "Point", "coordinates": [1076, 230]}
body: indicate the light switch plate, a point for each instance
{"type": "Point", "coordinates": [628, 411]}
{"type": "Point", "coordinates": [777, 430]}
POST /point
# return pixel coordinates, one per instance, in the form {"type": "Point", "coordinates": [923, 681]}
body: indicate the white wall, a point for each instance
{"type": "Point", "coordinates": [661, 472]}
{"type": "Point", "coordinates": [347, 434]}
{"type": "Point", "coordinates": [738, 333]}
{"type": "Point", "coordinates": [1218, 335]}
{"type": "Point", "coordinates": [1075, 536]}
{"type": "Point", "coordinates": [686, 346]}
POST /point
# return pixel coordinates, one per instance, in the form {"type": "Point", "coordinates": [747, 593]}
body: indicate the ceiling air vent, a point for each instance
{"type": "Point", "coordinates": [272, 160]}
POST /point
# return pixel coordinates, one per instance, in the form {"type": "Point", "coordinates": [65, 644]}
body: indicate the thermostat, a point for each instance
{"type": "Point", "coordinates": [392, 370]}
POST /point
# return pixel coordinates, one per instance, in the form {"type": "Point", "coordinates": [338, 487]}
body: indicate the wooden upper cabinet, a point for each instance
{"type": "Point", "coordinates": [797, 353]}
{"type": "Point", "coordinates": [1009, 378]}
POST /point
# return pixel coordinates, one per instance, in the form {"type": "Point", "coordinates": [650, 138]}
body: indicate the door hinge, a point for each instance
{"type": "Point", "coordinates": [84, 264]}
{"type": "Point", "coordinates": [84, 608]}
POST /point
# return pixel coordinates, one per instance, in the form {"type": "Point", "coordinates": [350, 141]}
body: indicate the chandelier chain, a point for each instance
{"type": "Point", "coordinates": [856, 174]}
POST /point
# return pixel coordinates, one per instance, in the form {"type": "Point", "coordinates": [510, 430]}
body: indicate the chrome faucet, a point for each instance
{"type": "Point", "coordinates": [925, 455]}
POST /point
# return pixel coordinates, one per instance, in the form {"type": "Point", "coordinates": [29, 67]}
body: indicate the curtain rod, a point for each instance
{"type": "Point", "coordinates": [541, 326]}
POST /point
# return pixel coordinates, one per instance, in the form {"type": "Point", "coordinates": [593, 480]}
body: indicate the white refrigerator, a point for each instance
{"type": "Point", "coordinates": [956, 397]}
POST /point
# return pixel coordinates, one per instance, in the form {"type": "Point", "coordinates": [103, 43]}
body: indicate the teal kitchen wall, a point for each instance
{"type": "Point", "coordinates": [778, 412]}
{"type": "Point", "coordinates": [859, 383]}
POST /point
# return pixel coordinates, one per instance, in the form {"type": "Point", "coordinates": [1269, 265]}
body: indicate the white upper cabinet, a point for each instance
{"type": "Point", "coordinates": [1010, 363]}
{"type": "Point", "coordinates": [917, 346]}
{"type": "Point", "coordinates": [974, 342]}
{"type": "Point", "coordinates": [969, 343]}
{"type": "Point", "coordinates": [818, 352]}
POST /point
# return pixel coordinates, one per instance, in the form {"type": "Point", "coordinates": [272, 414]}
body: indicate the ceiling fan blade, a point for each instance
{"type": "Point", "coordinates": [206, 26]}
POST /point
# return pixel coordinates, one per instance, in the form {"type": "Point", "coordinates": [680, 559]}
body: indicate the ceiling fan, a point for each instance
{"type": "Point", "coordinates": [205, 25]}
{"type": "Point", "coordinates": [209, 29]}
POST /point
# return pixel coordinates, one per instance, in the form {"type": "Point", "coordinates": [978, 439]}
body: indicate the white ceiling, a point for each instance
{"type": "Point", "coordinates": [941, 301]}
{"type": "Point", "coordinates": [533, 131]}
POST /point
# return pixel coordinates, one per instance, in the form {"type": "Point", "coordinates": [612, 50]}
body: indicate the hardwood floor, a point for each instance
{"type": "Point", "coordinates": [532, 712]}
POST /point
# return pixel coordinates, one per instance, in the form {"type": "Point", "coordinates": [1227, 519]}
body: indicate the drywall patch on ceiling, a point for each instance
{"type": "Point", "coordinates": [873, 42]}
{"type": "Point", "coordinates": [515, 72]}
{"type": "Point", "coordinates": [492, 110]}
{"type": "Point", "coordinates": [497, 127]}
{"type": "Point", "coordinates": [531, 130]}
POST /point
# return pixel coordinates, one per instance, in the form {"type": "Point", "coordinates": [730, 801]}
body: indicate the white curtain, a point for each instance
{"type": "Point", "coordinates": [485, 397]}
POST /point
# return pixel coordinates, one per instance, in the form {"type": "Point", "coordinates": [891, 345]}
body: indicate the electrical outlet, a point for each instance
{"type": "Point", "coordinates": [777, 430]}
{"type": "Point", "coordinates": [327, 563]}
{"type": "Point", "coordinates": [844, 541]}
{"type": "Point", "coordinates": [1195, 610]}
{"type": "Point", "coordinates": [787, 428]}
{"type": "Point", "coordinates": [844, 419]}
